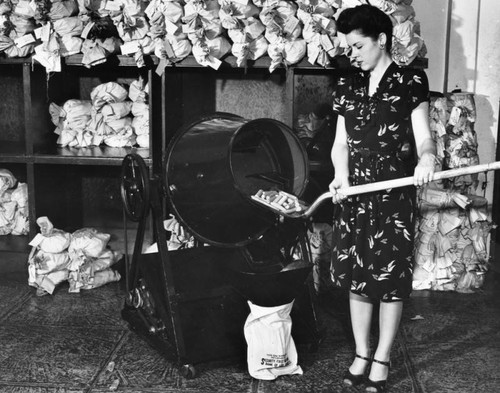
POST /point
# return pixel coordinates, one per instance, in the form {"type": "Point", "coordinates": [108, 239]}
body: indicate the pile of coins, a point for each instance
{"type": "Point", "coordinates": [278, 200]}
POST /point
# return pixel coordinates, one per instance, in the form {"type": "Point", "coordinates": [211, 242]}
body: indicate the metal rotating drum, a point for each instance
{"type": "Point", "coordinates": [214, 165]}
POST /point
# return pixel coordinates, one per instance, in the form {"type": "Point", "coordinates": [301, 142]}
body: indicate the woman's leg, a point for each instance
{"type": "Point", "coordinates": [389, 318]}
{"type": "Point", "coordinates": [361, 317]}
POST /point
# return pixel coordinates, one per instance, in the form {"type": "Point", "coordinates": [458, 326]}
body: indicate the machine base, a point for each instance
{"type": "Point", "coordinates": [202, 317]}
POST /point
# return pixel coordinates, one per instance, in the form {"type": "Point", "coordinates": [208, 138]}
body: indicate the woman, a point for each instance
{"type": "Point", "coordinates": [380, 109]}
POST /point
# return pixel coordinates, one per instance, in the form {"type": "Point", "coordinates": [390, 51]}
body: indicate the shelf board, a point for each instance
{"type": "Point", "coordinates": [263, 62]}
{"type": "Point", "coordinates": [339, 62]}
{"type": "Point", "coordinates": [15, 159]}
{"type": "Point", "coordinates": [111, 61]}
{"type": "Point", "coordinates": [97, 155]}
{"type": "Point", "coordinates": [15, 60]}
{"type": "Point", "coordinates": [190, 62]}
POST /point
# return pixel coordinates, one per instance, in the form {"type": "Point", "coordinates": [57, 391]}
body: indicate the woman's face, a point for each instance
{"type": "Point", "coordinates": [365, 52]}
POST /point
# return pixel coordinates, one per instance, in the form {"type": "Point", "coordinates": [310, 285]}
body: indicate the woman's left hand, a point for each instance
{"type": "Point", "coordinates": [424, 171]}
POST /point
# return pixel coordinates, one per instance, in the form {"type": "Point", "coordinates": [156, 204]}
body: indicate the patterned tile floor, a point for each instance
{"type": "Point", "coordinates": [79, 343]}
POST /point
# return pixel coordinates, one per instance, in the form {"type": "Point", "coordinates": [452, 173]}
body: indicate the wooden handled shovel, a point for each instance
{"type": "Point", "coordinates": [306, 211]}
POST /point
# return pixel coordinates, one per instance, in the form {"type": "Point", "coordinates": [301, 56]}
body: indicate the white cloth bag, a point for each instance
{"type": "Point", "coordinates": [271, 350]}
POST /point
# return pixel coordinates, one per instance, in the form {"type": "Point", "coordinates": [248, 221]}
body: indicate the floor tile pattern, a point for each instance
{"type": "Point", "coordinates": [79, 343]}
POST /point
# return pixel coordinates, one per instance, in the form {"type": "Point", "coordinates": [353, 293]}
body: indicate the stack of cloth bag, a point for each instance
{"type": "Point", "coordinates": [245, 30]}
{"type": "Point", "coordinates": [452, 117]}
{"type": "Point", "coordinates": [138, 94]}
{"type": "Point", "coordinates": [287, 31]}
{"type": "Point", "coordinates": [81, 258]}
{"type": "Point", "coordinates": [203, 26]}
{"type": "Point", "coordinates": [114, 116]}
{"type": "Point", "coordinates": [111, 121]}
{"type": "Point", "coordinates": [451, 252]}
{"type": "Point", "coordinates": [283, 32]}
{"type": "Point", "coordinates": [17, 23]}
{"type": "Point", "coordinates": [70, 27]}
{"type": "Point", "coordinates": [320, 30]}
{"type": "Point", "coordinates": [453, 225]}
{"type": "Point", "coordinates": [13, 205]}
{"type": "Point", "coordinates": [171, 43]}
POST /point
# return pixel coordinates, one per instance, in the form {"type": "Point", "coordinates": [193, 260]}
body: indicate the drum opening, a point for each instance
{"type": "Point", "coordinates": [216, 164]}
{"type": "Point", "coordinates": [264, 154]}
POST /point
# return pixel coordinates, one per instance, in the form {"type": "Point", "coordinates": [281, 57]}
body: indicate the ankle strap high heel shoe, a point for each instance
{"type": "Point", "coordinates": [351, 379]}
{"type": "Point", "coordinates": [377, 386]}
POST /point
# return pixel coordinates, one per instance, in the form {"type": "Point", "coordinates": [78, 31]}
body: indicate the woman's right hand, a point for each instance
{"type": "Point", "coordinates": [337, 184]}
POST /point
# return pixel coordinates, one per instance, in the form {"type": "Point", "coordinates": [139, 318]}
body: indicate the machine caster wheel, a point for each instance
{"type": "Point", "coordinates": [188, 371]}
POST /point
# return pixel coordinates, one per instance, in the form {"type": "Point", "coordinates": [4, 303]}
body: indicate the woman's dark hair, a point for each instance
{"type": "Point", "coordinates": [368, 20]}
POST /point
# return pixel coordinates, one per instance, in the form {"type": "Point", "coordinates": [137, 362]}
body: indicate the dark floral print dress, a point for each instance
{"type": "Point", "coordinates": [373, 233]}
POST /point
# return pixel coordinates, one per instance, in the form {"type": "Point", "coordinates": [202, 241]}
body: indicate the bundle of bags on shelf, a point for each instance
{"type": "Point", "coordinates": [114, 116]}
{"type": "Point", "coordinates": [13, 205]}
{"type": "Point", "coordinates": [285, 30]}
{"type": "Point", "coordinates": [82, 258]}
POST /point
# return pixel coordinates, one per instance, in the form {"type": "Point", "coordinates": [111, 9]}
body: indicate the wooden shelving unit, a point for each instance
{"type": "Point", "coordinates": [80, 187]}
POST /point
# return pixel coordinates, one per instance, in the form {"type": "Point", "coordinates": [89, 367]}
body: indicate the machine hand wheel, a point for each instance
{"type": "Point", "coordinates": [134, 186]}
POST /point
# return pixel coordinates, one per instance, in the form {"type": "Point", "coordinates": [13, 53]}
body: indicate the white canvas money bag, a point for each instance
{"type": "Point", "coordinates": [271, 350]}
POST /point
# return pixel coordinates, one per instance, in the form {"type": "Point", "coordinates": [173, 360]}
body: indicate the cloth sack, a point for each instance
{"type": "Point", "coordinates": [7, 180]}
{"type": "Point", "coordinates": [249, 50]}
{"type": "Point", "coordinates": [320, 239]}
{"type": "Point", "coordinates": [107, 93]}
{"type": "Point", "coordinates": [271, 349]}
{"type": "Point", "coordinates": [286, 52]}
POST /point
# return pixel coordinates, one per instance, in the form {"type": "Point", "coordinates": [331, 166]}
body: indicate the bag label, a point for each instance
{"type": "Point", "coordinates": [273, 360]}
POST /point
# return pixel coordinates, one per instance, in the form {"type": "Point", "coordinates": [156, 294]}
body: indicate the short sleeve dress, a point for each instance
{"type": "Point", "coordinates": [373, 233]}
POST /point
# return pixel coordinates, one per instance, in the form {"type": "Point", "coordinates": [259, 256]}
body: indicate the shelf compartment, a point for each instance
{"type": "Point", "coordinates": [78, 83]}
{"type": "Point", "coordinates": [75, 197]}
{"type": "Point", "coordinates": [71, 195]}
{"type": "Point", "coordinates": [200, 92]}
{"type": "Point", "coordinates": [12, 119]}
